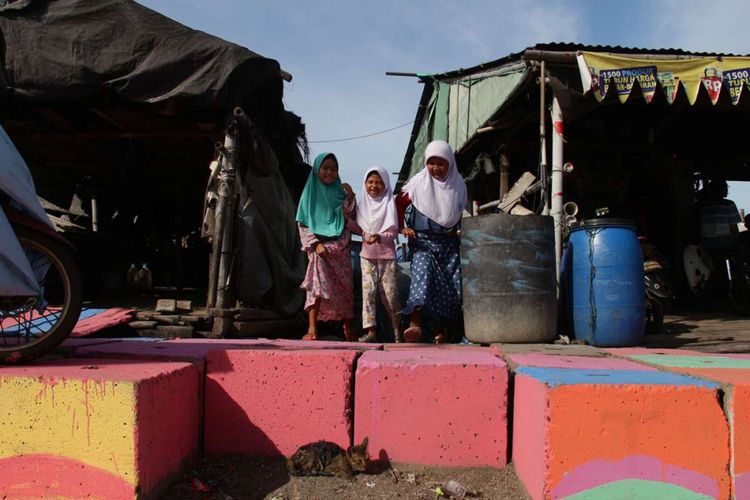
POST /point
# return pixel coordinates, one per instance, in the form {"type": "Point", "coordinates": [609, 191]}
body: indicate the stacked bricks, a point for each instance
{"type": "Point", "coordinates": [433, 406]}
{"type": "Point", "coordinates": [271, 402]}
{"type": "Point", "coordinates": [732, 371]}
{"type": "Point", "coordinates": [610, 428]}
{"type": "Point", "coordinates": [101, 428]}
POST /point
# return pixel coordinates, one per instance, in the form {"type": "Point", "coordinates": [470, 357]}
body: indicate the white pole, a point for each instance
{"type": "Point", "coordinates": [94, 214]}
{"type": "Point", "coordinates": [557, 179]}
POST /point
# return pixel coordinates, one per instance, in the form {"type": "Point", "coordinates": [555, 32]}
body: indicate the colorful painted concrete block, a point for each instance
{"type": "Point", "coordinates": [584, 433]}
{"type": "Point", "coordinates": [433, 406]}
{"type": "Point", "coordinates": [96, 428]}
{"type": "Point", "coordinates": [539, 360]}
{"type": "Point", "coordinates": [552, 349]}
{"type": "Point", "coordinates": [270, 402]}
{"type": "Point", "coordinates": [192, 350]}
{"type": "Point", "coordinates": [733, 373]}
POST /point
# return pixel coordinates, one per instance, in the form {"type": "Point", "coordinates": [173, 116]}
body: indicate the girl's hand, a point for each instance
{"type": "Point", "coordinates": [321, 250]}
{"type": "Point", "coordinates": [347, 189]}
{"type": "Point", "coordinates": [459, 233]}
{"type": "Point", "coordinates": [409, 232]}
{"type": "Point", "coordinates": [373, 238]}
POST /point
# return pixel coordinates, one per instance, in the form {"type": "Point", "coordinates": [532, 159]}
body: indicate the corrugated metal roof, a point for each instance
{"type": "Point", "coordinates": [572, 47]}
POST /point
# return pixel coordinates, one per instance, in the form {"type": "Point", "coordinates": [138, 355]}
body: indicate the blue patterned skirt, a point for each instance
{"type": "Point", "coordinates": [435, 278]}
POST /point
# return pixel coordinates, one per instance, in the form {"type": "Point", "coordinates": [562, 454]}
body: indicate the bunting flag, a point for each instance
{"type": "Point", "coordinates": [600, 71]}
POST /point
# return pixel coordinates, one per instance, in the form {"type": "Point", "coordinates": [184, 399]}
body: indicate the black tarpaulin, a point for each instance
{"type": "Point", "coordinates": [68, 49]}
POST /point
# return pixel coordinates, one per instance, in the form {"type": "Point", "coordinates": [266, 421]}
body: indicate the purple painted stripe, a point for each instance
{"type": "Point", "coordinates": [742, 486]}
{"type": "Point", "coordinates": [598, 472]}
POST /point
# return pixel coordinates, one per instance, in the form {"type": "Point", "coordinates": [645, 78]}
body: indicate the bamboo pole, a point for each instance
{"type": "Point", "coordinates": [543, 137]}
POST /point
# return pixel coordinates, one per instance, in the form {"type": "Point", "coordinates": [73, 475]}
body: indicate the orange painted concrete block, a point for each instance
{"type": "Point", "coordinates": [96, 428]}
{"type": "Point", "coordinates": [732, 371]}
{"type": "Point", "coordinates": [270, 402]}
{"type": "Point", "coordinates": [602, 433]}
{"type": "Point", "coordinates": [433, 406]}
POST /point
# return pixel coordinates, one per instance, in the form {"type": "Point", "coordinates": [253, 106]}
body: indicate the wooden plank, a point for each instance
{"type": "Point", "coordinates": [517, 191]}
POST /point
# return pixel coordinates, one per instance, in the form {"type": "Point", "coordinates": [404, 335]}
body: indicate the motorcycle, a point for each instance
{"type": "Point", "coordinates": [699, 269]}
{"type": "Point", "coordinates": [40, 285]}
{"type": "Point", "coordinates": [658, 295]}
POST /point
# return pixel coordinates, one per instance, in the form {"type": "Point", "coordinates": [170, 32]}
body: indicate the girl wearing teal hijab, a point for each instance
{"type": "Point", "coordinates": [324, 209]}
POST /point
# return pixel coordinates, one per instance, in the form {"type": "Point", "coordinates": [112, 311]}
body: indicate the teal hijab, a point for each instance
{"type": "Point", "coordinates": [321, 205]}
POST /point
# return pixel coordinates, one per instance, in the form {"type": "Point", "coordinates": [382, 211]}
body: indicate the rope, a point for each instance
{"type": "Point", "coordinates": [592, 232]}
{"type": "Point", "coordinates": [364, 136]}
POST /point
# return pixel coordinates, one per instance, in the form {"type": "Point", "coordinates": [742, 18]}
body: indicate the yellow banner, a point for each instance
{"type": "Point", "coordinates": [599, 72]}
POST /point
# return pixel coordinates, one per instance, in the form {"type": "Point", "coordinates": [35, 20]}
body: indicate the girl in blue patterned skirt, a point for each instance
{"type": "Point", "coordinates": [436, 198]}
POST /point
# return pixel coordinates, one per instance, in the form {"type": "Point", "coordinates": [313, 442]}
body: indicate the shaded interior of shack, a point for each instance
{"type": "Point", "coordinates": [146, 167]}
{"type": "Point", "coordinates": [643, 161]}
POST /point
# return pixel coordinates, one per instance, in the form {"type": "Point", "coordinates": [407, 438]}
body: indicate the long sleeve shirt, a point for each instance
{"type": "Point", "coordinates": [384, 248]}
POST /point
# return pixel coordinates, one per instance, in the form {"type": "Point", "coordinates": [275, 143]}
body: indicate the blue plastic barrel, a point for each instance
{"type": "Point", "coordinates": [603, 287]}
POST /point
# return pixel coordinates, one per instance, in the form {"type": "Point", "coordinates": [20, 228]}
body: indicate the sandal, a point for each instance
{"type": "Point", "coordinates": [310, 336]}
{"type": "Point", "coordinates": [440, 337]}
{"type": "Point", "coordinates": [368, 337]}
{"type": "Point", "coordinates": [413, 334]}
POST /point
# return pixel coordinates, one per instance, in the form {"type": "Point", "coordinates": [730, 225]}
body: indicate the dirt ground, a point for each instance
{"type": "Point", "coordinates": [240, 477]}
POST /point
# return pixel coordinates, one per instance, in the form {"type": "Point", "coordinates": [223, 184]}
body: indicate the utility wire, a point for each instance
{"type": "Point", "coordinates": [364, 136]}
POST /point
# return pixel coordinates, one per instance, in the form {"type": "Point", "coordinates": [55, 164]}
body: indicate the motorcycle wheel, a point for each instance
{"type": "Point", "coordinates": [654, 316]}
{"type": "Point", "coordinates": [31, 327]}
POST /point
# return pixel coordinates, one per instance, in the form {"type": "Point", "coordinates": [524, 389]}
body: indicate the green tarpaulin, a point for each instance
{"type": "Point", "coordinates": [457, 108]}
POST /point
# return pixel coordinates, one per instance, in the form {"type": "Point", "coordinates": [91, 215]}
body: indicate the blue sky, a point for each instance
{"type": "Point", "coordinates": [338, 51]}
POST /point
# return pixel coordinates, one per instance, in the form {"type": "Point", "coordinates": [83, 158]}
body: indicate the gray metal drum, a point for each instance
{"type": "Point", "coordinates": [508, 278]}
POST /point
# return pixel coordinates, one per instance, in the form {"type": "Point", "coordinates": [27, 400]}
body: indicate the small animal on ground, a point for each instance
{"type": "Point", "coordinates": [324, 458]}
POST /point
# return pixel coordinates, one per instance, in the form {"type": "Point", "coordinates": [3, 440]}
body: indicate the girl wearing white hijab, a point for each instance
{"type": "Point", "coordinates": [377, 222]}
{"type": "Point", "coordinates": [438, 198]}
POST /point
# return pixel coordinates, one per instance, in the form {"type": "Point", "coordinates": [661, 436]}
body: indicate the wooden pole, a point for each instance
{"type": "Point", "coordinates": [227, 180]}
{"type": "Point", "coordinates": [504, 164]}
{"type": "Point", "coordinates": [543, 138]}
{"type": "Point", "coordinates": [216, 242]}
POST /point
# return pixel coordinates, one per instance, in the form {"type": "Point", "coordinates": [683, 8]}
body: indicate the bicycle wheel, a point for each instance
{"type": "Point", "coordinates": [31, 327]}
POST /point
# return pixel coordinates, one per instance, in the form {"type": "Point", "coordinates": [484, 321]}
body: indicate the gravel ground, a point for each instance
{"type": "Point", "coordinates": [242, 477]}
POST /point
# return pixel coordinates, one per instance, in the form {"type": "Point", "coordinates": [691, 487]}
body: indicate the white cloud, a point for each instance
{"type": "Point", "coordinates": [701, 26]}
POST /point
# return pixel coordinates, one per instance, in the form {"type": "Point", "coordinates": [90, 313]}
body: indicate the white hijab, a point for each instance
{"type": "Point", "coordinates": [442, 201]}
{"type": "Point", "coordinates": [375, 215]}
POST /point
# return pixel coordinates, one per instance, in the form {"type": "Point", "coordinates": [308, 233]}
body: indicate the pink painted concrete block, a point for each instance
{"type": "Point", "coordinates": [581, 362]}
{"type": "Point", "coordinates": [326, 344]}
{"type": "Point", "coordinates": [281, 344]}
{"type": "Point", "coordinates": [196, 350]}
{"type": "Point", "coordinates": [190, 350]}
{"type": "Point", "coordinates": [271, 402]}
{"type": "Point", "coordinates": [602, 433]}
{"type": "Point", "coordinates": [96, 427]}
{"type": "Point", "coordinates": [85, 342]}
{"type": "Point", "coordinates": [433, 406]}
{"type": "Point", "coordinates": [454, 347]}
